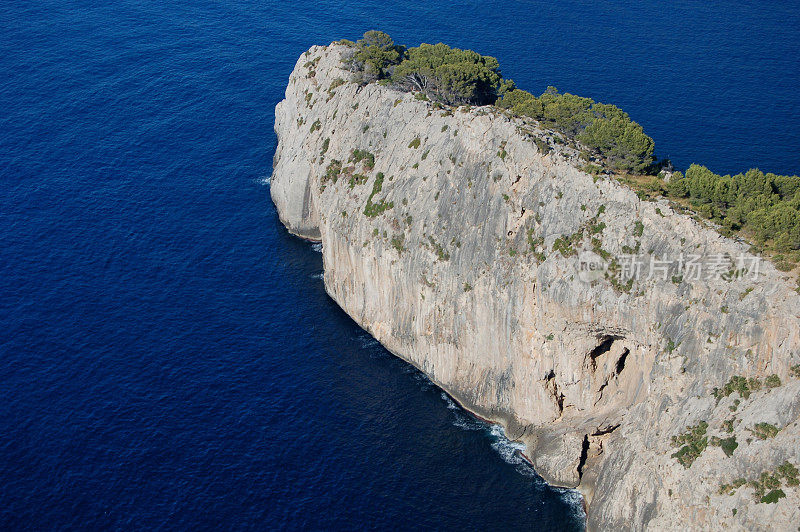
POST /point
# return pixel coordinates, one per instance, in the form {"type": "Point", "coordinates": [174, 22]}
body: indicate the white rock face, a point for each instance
{"type": "Point", "coordinates": [458, 275]}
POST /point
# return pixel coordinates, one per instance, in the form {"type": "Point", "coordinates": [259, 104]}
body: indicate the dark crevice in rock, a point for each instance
{"type": "Point", "coordinates": [600, 391]}
{"type": "Point", "coordinates": [621, 361]}
{"type": "Point", "coordinates": [602, 348]}
{"type": "Point", "coordinates": [608, 429]}
{"type": "Point", "coordinates": [584, 456]}
{"type": "Point", "coordinates": [552, 387]}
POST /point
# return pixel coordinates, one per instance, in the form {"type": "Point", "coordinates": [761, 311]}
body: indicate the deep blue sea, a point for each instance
{"type": "Point", "coordinates": [168, 356]}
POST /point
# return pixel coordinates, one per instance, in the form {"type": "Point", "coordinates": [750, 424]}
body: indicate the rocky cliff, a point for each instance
{"type": "Point", "coordinates": [472, 245]}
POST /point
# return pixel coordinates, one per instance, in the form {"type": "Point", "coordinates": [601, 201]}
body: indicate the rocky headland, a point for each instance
{"type": "Point", "coordinates": [473, 245]}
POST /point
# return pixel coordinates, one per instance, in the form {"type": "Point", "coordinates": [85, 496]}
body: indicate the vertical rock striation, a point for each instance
{"type": "Point", "coordinates": [456, 237]}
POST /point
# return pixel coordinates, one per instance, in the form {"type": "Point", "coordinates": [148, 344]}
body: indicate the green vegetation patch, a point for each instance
{"type": "Point", "coordinates": [730, 489]}
{"type": "Point", "coordinates": [692, 443]}
{"type": "Point", "coordinates": [373, 57]}
{"type": "Point", "coordinates": [398, 241]}
{"type": "Point", "coordinates": [603, 128]}
{"type": "Point", "coordinates": [502, 153]}
{"type": "Point", "coordinates": [741, 385]}
{"type": "Point", "coordinates": [376, 209]}
{"type": "Point", "coordinates": [763, 431]}
{"type": "Point", "coordinates": [728, 445]}
{"type": "Point", "coordinates": [438, 249]}
{"type": "Point", "coordinates": [535, 244]}
{"type": "Point", "coordinates": [450, 76]}
{"type": "Point", "coordinates": [338, 82]}
{"type": "Point", "coordinates": [363, 156]}
{"type": "Point", "coordinates": [566, 244]}
{"type": "Point", "coordinates": [332, 172]}
{"type": "Point", "coordinates": [773, 496]}
{"type": "Point", "coordinates": [357, 179]}
{"type": "Point", "coordinates": [542, 145]}
{"type": "Point", "coordinates": [767, 487]}
{"type": "Point", "coordinates": [727, 425]}
{"type": "Point", "coordinates": [597, 247]}
{"type": "Point", "coordinates": [592, 169]}
{"type": "Point", "coordinates": [765, 206]}
{"type": "Point", "coordinates": [596, 228]}
{"type": "Point", "coordinates": [789, 472]}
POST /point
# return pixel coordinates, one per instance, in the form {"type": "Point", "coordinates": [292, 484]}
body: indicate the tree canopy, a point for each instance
{"type": "Point", "coordinates": [601, 127]}
{"type": "Point", "coordinates": [449, 75]}
{"type": "Point", "coordinates": [765, 205]}
{"type": "Point", "coordinates": [373, 57]}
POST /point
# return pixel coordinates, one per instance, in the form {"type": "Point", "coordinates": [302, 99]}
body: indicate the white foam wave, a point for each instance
{"type": "Point", "coordinates": [264, 180]}
{"type": "Point", "coordinates": [425, 383]}
{"type": "Point", "coordinates": [465, 423]}
{"type": "Point", "coordinates": [450, 403]}
{"type": "Point", "coordinates": [367, 341]}
{"type": "Point", "coordinates": [508, 450]}
{"type": "Point", "coordinates": [320, 275]}
{"type": "Point", "coordinates": [463, 419]}
{"type": "Point", "coordinates": [317, 247]}
{"type": "Point", "coordinates": [572, 497]}
{"type": "Point", "coordinates": [575, 500]}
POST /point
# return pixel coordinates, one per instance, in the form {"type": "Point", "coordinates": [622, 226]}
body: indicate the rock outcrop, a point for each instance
{"type": "Point", "coordinates": [464, 240]}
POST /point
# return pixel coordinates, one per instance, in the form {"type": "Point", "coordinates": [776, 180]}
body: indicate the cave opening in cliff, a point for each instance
{"type": "Point", "coordinates": [602, 348]}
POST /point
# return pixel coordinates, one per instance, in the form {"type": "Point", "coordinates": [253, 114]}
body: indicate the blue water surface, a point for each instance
{"type": "Point", "coordinates": [168, 356]}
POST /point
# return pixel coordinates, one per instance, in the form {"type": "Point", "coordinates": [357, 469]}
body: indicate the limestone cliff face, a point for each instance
{"type": "Point", "coordinates": [449, 262]}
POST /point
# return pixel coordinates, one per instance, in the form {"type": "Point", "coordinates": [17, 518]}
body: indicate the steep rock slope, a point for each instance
{"type": "Point", "coordinates": [461, 238]}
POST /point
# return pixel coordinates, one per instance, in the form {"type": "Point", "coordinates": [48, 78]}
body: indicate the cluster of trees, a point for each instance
{"type": "Point", "coordinates": [449, 75]}
{"type": "Point", "coordinates": [452, 76]}
{"type": "Point", "coordinates": [446, 75]}
{"type": "Point", "coordinates": [373, 57]}
{"type": "Point", "coordinates": [767, 206]}
{"type": "Point", "coordinates": [601, 127]}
